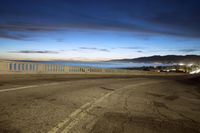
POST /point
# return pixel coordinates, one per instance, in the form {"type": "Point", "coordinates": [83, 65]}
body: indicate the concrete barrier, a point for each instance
{"type": "Point", "coordinates": [15, 67]}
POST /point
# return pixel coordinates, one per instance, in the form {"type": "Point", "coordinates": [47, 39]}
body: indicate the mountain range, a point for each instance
{"type": "Point", "coordinates": [167, 59]}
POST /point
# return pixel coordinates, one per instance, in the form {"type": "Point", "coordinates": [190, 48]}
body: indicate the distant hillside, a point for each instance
{"type": "Point", "coordinates": [165, 59]}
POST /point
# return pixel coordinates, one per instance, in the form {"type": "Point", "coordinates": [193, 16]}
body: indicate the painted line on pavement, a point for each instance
{"type": "Point", "coordinates": [31, 86]}
{"type": "Point", "coordinates": [72, 120]}
{"type": "Point", "coordinates": [76, 115]}
{"type": "Point", "coordinates": [18, 88]}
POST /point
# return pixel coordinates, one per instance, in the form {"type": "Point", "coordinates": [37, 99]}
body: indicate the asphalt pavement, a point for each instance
{"type": "Point", "coordinates": [99, 104]}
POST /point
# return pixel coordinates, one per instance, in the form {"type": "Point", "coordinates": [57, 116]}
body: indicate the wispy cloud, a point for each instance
{"type": "Point", "coordinates": [131, 47]}
{"type": "Point", "coordinates": [179, 18]}
{"type": "Point", "coordinates": [17, 36]}
{"type": "Point", "coordinates": [99, 25]}
{"type": "Point", "coordinates": [140, 51]}
{"type": "Point", "coordinates": [189, 50]}
{"type": "Point", "coordinates": [35, 52]}
{"type": "Point", "coordinates": [93, 48]}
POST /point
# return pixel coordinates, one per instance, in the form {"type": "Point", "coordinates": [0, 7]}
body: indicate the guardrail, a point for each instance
{"type": "Point", "coordinates": [15, 67]}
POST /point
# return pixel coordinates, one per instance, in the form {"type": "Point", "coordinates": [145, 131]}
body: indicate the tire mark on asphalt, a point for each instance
{"type": "Point", "coordinates": [105, 88]}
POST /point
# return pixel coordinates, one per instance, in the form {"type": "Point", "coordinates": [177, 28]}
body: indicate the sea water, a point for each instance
{"type": "Point", "coordinates": [102, 64]}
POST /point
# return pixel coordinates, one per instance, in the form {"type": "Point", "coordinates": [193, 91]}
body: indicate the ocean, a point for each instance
{"type": "Point", "coordinates": [102, 64]}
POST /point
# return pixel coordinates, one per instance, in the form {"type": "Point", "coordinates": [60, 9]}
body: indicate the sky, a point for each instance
{"type": "Point", "coordinates": [93, 30]}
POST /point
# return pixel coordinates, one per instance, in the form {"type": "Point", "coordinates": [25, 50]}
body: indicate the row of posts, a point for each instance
{"type": "Point", "coordinates": [26, 67]}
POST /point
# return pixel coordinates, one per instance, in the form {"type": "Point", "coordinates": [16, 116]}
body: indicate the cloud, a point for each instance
{"type": "Point", "coordinates": [19, 30]}
{"type": "Point", "coordinates": [13, 36]}
{"type": "Point", "coordinates": [189, 50]}
{"type": "Point", "coordinates": [35, 52]}
{"type": "Point", "coordinates": [139, 51]}
{"type": "Point", "coordinates": [131, 47]}
{"type": "Point", "coordinates": [156, 17]}
{"type": "Point", "coordinates": [93, 48]}
{"type": "Point", "coordinates": [27, 26]}
{"type": "Point", "coordinates": [136, 49]}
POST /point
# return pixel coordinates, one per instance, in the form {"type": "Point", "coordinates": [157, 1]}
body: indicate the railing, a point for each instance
{"type": "Point", "coordinates": [14, 67]}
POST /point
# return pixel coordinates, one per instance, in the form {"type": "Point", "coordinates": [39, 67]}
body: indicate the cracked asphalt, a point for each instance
{"type": "Point", "coordinates": [99, 104]}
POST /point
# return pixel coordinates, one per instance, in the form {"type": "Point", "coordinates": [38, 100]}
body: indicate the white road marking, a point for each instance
{"type": "Point", "coordinates": [74, 117]}
{"type": "Point", "coordinates": [31, 86]}
{"type": "Point", "coordinates": [18, 88]}
{"type": "Point", "coordinates": [82, 114]}
{"type": "Point", "coordinates": [72, 120]}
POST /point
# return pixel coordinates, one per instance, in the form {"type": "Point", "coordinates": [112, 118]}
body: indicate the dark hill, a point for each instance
{"type": "Point", "coordinates": [165, 59]}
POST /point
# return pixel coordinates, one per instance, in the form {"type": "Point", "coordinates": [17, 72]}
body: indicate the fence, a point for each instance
{"type": "Point", "coordinates": [13, 67]}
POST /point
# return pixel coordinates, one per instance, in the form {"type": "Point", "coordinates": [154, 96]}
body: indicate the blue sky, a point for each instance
{"type": "Point", "coordinates": [98, 29]}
